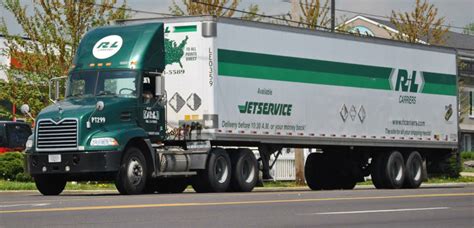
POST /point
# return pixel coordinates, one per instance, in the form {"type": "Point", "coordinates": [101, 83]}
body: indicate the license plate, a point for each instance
{"type": "Point", "coordinates": [54, 158]}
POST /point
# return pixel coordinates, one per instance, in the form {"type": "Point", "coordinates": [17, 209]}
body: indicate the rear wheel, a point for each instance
{"type": "Point", "coordinates": [216, 177]}
{"type": "Point", "coordinates": [388, 170]}
{"type": "Point", "coordinates": [244, 171]}
{"type": "Point", "coordinates": [413, 170]}
{"type": "Point", "coordinates": [132, 174]}
{"type": "Point", "coordinates": [314, 171]}
{"type": "Point", "coordinates": [50, 185]}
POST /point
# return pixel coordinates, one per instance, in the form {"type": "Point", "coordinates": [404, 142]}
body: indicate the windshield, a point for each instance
{"type": "Point", "coordinates": [102, 83]}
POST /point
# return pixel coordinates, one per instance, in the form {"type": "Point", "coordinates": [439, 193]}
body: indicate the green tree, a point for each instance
{"type": "Point", "coordinates": [54, 29]}
{"type": "Point", "coordinates": [422, 23]}
{"type": "Point", "coordinates": [469, 29]}
{"type": "Point", "coordinates": [218, 8]}
{"type": "Point", "coordinates": [314, 14]}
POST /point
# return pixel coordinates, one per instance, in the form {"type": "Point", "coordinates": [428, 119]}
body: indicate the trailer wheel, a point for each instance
{"type": "Point", "coordinates": [244, 171]}
{"type": "Point", "coordinates": [132, 174]}
{"type": "Point", "coordinates": [313, 171]}
{"type": "Point", "coordinates": [377, 170]}
{"type": "Point", "coordinates": [50, 185]}
{"type": "Point", "coordinates": [389, 170]}
{"type": "Point", "coordinates": [414, 170]}
{"type": "Point", "coordinates": [348, 183]}
{"type": "Point", "coordinates": [216, 177]}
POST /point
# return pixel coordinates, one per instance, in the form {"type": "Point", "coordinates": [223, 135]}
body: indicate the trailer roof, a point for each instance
{"type": "Point", "coordinates": [267, 25]}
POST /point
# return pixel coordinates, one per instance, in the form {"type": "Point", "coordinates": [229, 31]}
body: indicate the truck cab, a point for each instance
{"type": "Point", "coordinates": [113, 102]}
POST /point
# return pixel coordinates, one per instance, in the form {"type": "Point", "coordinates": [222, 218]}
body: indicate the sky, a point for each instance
{"type": "Point", "coordinates": [457, 13]}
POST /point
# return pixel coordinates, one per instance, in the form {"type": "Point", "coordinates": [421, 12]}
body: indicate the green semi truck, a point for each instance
{"type": "Point", "coordinates": [157, 105]}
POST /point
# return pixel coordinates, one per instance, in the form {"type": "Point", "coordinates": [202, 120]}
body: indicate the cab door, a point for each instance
{"type": "Point", "coordinates": [151, 113]}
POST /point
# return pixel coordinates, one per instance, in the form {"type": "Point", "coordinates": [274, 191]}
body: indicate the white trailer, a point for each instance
{"type": "Point", "coordinates": [374, 106]}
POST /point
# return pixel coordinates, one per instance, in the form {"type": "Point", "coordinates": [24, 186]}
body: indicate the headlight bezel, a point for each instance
{"type": "Point", "coordinates": [103, 141]}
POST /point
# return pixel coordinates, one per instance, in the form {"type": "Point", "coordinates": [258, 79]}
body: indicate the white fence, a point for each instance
{"type": "Point", "coordinates": [284, 168]}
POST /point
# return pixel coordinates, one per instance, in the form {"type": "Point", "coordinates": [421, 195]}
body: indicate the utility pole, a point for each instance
{"type": "Point", "coordinates": [333, 15]}
{"type": "Point", "coordinates": [299, 166]}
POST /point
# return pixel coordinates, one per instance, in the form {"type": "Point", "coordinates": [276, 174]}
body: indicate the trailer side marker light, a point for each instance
{"type": "Point", "coordinates": [333, 135]}
{"type": "Point", "coordinates": [242, 132]}
{"type": "Point", "coordinates": [195, 117]}
{"type": "Point", "coordinates": [383, 137]}
{"type": "Point", "coordinates": [92, 65]}
{"type": "Point", "coordinates": [187, 117]}
{"type": "Point", "coordinates": [278, 133]}
{"type": "Point", "coordinates": [393, 137]}
{"type": "Point", "coordinates": [364, 136]}
{"type": "Point", "coordinates": [311, 134]}
{"type": "Point", "coordinates": [229, 131]}
{"type": "Point", "coordinates": [266, 132]}
{"type": "Point", "coordinates": [343, 136]}
{"type": "Point", "coordinates": [219, 130]}
{"type": "Point", "coordinates": [374, 137]}
{"type": "Point", "coordinates": [402, 137]}
{"type": "Point", "coordinates": [108, 64]}
{"type": "Point", "coordinates": [289, 133]}
{"type": "Point", "coordinates": [100, 64]}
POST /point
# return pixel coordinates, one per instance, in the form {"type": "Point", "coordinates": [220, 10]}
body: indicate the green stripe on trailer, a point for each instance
{"type": "Point", "coordinates": [292, 69]}
{"type": "Point", "coordinates": [186, 28]}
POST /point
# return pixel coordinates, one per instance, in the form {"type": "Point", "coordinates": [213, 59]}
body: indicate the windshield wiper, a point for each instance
{"type": "Point", "coordinates": [105, 93]}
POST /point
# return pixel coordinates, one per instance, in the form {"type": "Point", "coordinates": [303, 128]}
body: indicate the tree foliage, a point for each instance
{"type": "Point", "coordinates": [218, 8]}
{"type": "Point", "coordinates": [53, 29]}
{"type": "Point", "coordinates": [422, 23]}
{"type": "Point", "coordinates": [314, 14]}
{"type": "Point", "coordinates": [469, 29]}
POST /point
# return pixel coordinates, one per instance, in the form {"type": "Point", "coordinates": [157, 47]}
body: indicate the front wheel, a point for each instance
{"type": "Point", "coordinates": [132, 174]}
{"type": "Point", "coordinates": [50, 185]}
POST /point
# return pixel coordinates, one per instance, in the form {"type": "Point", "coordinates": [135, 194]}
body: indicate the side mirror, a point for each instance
{"type": "Point", "coordinates": [160, 86]}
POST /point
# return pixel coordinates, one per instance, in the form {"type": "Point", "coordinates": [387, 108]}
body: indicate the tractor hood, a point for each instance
{"type": "Point", "coordinates": [122, 47]}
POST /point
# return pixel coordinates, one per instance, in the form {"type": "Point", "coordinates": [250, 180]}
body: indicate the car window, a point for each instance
{"type": "Point", "coordinates": [17, 135]}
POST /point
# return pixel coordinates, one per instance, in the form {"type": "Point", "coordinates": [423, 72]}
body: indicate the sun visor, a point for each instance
{"type": "Point", "coordinates": [122, 47]}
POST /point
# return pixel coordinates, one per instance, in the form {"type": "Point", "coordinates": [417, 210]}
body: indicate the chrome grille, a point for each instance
{"type": "Point", "coordinates": [60, 135]}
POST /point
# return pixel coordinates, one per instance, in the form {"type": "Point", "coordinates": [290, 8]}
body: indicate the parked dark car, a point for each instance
{"type": "Point", "coordinates": [13, 136]}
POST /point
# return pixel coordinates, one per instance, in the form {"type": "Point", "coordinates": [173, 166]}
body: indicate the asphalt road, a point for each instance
{"type": "Point", "coordinates": [425, 207]}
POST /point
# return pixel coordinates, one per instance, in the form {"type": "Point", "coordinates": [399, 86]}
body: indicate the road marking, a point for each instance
{"type": "Point", "coordinates": [31, 204]}
{"type": "Point", "coordinates": [135, 206]}
{"type": "Point", "coordinates": [380, 211]}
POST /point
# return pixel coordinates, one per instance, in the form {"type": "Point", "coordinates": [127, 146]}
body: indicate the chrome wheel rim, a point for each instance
{"type": "Point", "coordinates": [135, 172]}
{"type": "Point", "coordinates": [221, 170]}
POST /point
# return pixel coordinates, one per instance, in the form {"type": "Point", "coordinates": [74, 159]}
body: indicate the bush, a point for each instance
{"type": "Point", "coordinates": [12, 167]}
{"type": "Point", "coordinates": [467, 155]}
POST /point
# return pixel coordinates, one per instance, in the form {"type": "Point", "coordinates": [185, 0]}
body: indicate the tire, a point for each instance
{"type": "Point", "coordinates": [413, 170]}
{"type": "Point", "coordinates": [50, 185]}
{"type": "Point", "coordinates": [132, 175]}
{"type": "Point", "coordinates": [216, 177]}
{"type": "Point", "coordinates": [388, 170]}
{"type": "Point", "coordinates": [244, 171]}
{"type": "Point", "coordinates": [313, 172]}
{"type": "Point", "coordinates": [175, 185]}
{"type": "Point", "coordinates": [377, 170]}
{"type": "Point", "coordinates": [347, 183]}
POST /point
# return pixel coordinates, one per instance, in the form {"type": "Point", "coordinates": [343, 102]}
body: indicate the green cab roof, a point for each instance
{"type": "Point", "coordinates": [122, 47]}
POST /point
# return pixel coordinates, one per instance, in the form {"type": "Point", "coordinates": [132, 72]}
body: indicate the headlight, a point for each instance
{"type": "Point", "coordinates": [104, 142]}
{"type": "Point", "coordinates": [29, 144]}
